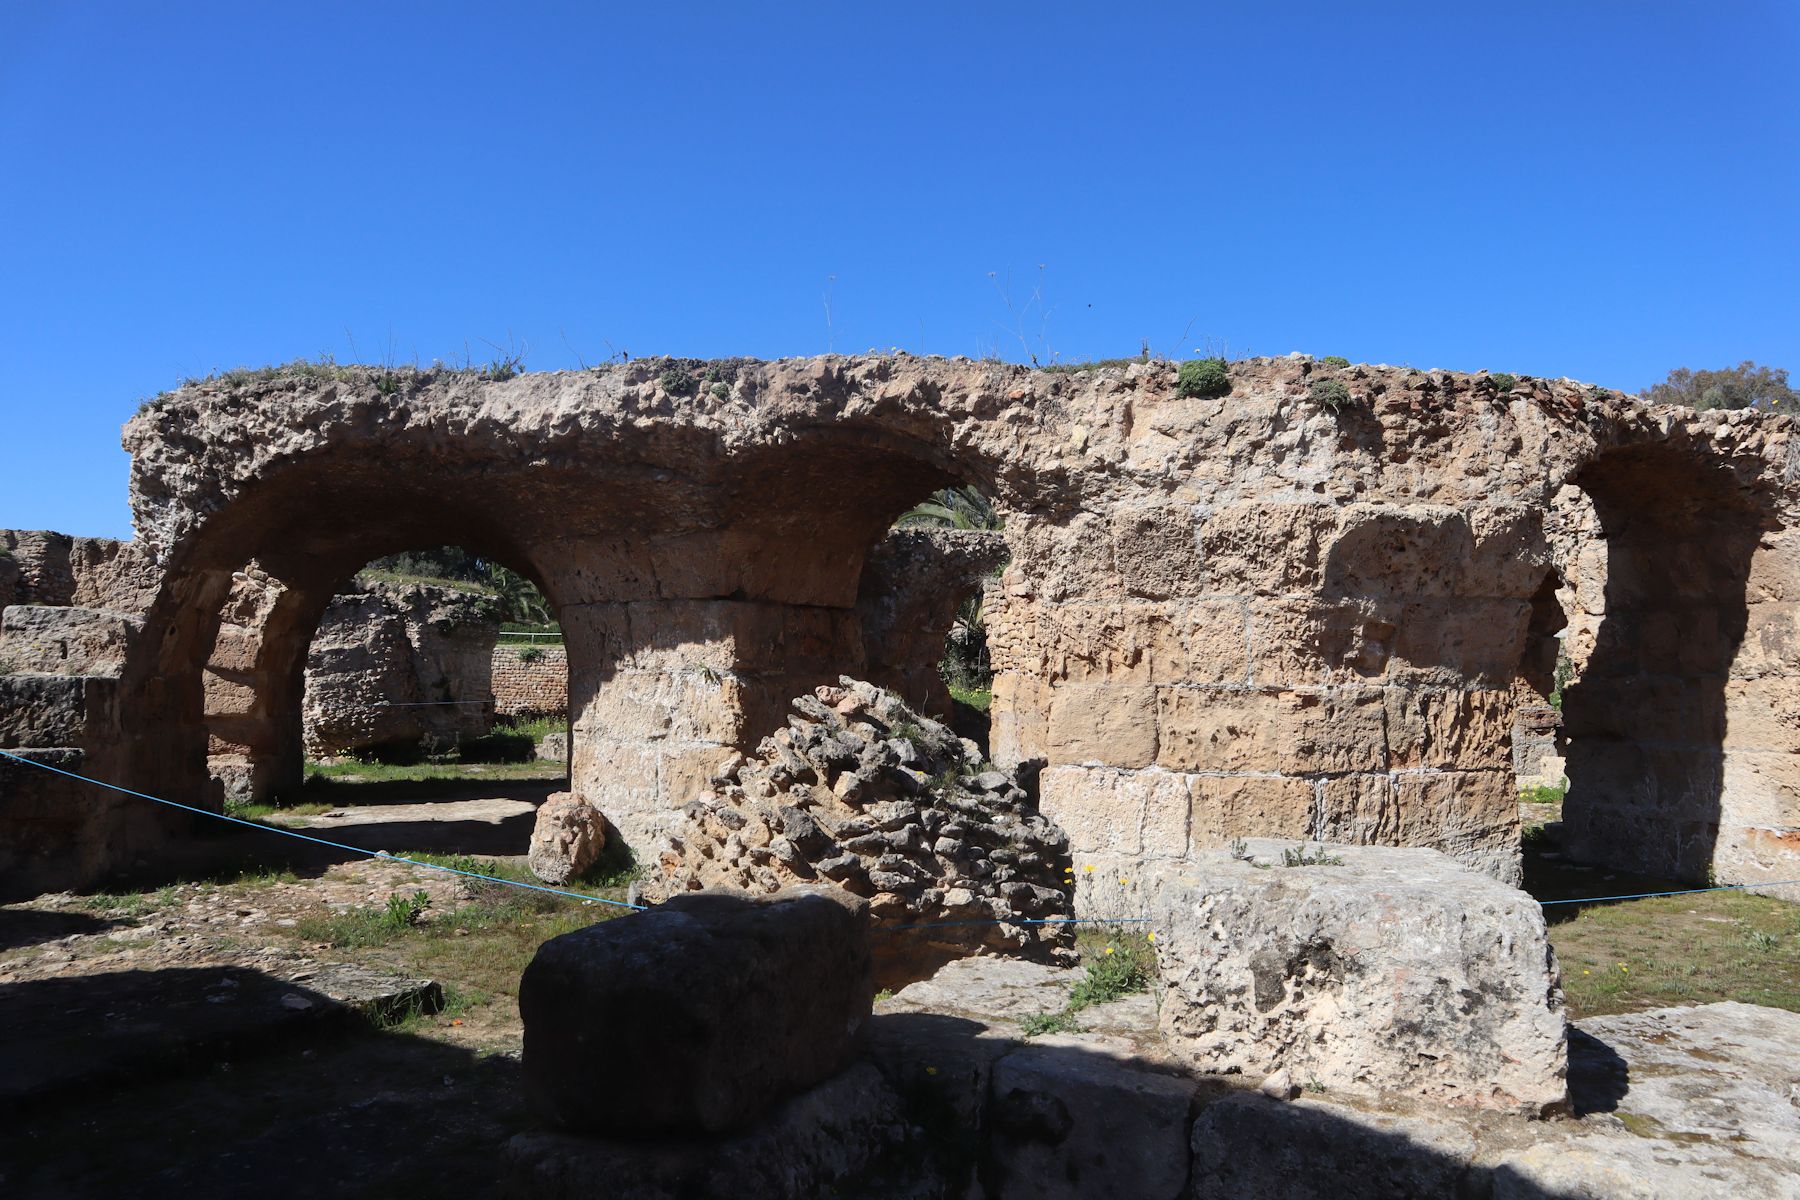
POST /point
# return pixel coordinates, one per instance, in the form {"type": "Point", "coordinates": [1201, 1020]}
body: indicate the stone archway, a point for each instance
{"type": "Point", "coordinates": [1244, 614]}
{"type": "Point", "coordinates": [1680, 727]}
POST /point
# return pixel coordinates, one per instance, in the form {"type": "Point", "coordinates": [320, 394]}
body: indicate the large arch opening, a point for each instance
{"type": "Point", "coordinates": [376, 716]}
{"type": "Point", "coordinates": [923, 603]}
{"type": "Point", "coordinates": [695, 597]}
{"type": "Point", "coordinates": [1653, 710]}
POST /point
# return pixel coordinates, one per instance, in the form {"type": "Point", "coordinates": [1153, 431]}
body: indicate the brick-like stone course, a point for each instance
{"type": "Point", "coordinates": [539, 688]}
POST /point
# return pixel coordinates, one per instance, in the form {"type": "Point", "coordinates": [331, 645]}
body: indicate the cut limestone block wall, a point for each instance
{"type": "Point", "coordinates": [70, 612]}
{"type": "Point", "coordinates": [538, 688]}
{"type": "Point", "coordinates": [1243, 613]}
{"type": "Point", "coordinates": [1289, 667]}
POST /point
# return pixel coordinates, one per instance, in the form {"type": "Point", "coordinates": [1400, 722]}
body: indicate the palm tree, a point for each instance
{"type": "Point", "coordinates": [953, 508]}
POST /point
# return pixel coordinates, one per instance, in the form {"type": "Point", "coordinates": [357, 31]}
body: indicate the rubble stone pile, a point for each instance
{"type": "Point", "coordinates": [861, 791]}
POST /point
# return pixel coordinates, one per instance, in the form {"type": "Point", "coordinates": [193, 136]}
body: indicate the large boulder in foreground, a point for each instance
{"type": "Point", "coordinates": [861, 791]}
{"type": "Point", "coordinates": [697, 1015]}
{"type": "Point", "coordinates": [1377, 970]}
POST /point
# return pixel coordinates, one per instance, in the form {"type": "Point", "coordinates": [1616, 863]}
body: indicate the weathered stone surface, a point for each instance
{"type": "Point", "coordinates": [399, 664]}
{"type": "Point", "coordinates": [553, 747]}
{"type": "Point", "coordinates": [567, 838]}
{"type": "Point", "coordinates": [1679, 1104]}
{"type": "Point", "coordinates": [65, 641]}
{"type": "Point", "coordinates": [176, 1019]}
{"type": "Point", "coordinates": [697, 1015]}
{"type": "Point", "coordinates": [849, 1136]}
{"type": "Point", "coordinates": [862, 792]}
{"type": "Point", "coordinates": [1388, 971]}
{"type": "Point", "coordinates": [1073, 1124]}
{"type": "Point", "coordinates": [1307, 594]}
{"type": "Point", "coordinates": [1708, 1097]}
{"type": "Point", "coordinates": [1252, 1147]}
{"type": "Point", "coordinates": [52, 710]}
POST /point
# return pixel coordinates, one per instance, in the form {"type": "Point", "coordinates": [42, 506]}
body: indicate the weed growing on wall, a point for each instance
{"type": "Point", "coordinates": [1120, 962]}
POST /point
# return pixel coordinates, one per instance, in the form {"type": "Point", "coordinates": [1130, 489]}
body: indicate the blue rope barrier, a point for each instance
{"type": "Point", "coordinates": [532, 887]}
{"type": "Point", "coordinates": [1724, 887]}
{"type": "Point", "coordinates": [319, 841]}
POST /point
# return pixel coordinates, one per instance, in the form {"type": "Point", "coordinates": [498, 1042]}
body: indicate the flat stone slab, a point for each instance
{"type": "Point", "coordinates": [988, 990]}
{"type": "Point", "coordinates": [1676, 1104]}
{"type": "Point", "coordinates": [1704, 1102]}
{"type": "Point", "coordinates": [64, 1034]}
{"type": "Point", "coordinates": [493, 811]}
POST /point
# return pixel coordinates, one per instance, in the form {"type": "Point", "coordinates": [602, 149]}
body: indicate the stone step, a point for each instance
{"type": "Point", "coordinates": [61, 1037]}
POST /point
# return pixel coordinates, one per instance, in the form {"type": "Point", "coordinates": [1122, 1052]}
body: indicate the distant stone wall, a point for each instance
{"type": "Point", "coordinates": [399, 664]}
{"type": "Point", "coordinates": [539, 688]}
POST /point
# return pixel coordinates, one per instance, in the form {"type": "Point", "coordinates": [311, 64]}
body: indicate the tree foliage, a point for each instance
{"type": "Point", "coordinates": [1746, 385]}
{"type": "Point", "coordinates": [953, 508]}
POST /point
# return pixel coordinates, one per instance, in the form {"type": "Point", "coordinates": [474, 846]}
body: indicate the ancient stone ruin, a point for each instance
{"type": "Point", "coordinates": [1272, 657]}
{"type": "Point", "coordinates": [860, 791]}
{"type": "Point", "coordinates": [1223, 615]}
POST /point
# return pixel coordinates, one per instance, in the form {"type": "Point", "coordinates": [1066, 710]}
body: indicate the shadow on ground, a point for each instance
{"type": "Point", "coordinates": [186, 1088]}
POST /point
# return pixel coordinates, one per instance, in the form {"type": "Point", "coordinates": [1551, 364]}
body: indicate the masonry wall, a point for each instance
{"type": "Point", "coordinates": [539, 688]}
{"type": "Point", "coordinates": [1285, 669]}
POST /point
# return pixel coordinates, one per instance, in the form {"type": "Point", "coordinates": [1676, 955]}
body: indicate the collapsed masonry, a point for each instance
{"type": "Point", "coordinates": [1223, 615]}
{"type": "Point", "coordinates": [860, 791]}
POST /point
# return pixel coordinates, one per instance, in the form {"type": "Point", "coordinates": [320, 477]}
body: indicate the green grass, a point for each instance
{"type": "Point", "coordinates": [482, 942]}
{"type": "Point", "coordinates": [1119, 963]}
{"type": "Point", "coordinates": [1094, 365]}
{"type": "Point", "coordinates": [1050, 1022]}
{"type": "Point", "coordinates": [323, 777]}
{"type": "Point", "coordinates": [977, 698]}
{"type": "Point", "coordinates": [1672, 950]}
{"type": "Point", "coordinates": [1545, 794]}
{"type": "Point", "coordinates": [257, 812]}
{"type": "Point", "coordinates": [376, 575]}
{"type": "Point", "coordinates": [537, 728]}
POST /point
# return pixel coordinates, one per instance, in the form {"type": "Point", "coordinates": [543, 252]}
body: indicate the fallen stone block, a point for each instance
{"type": "Point", "coordinates": [553, 747]}
{"type": "Point", "coordinates": [1376, 970]}
{"type": "Point", "coordinates": [567, 838]}
{"type": "Point", "coordinates": [1067, 1122]}
{"type": "Point", "coordinates": [697, 1015]}
{"type": "Point", "coordinates": [846, 1137]}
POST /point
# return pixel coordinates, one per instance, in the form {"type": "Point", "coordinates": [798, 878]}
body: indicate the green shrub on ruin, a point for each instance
{"type": "Point", "coordinates": [1504, 382]}
{"type": "Point", "coordinates": [1203, 377]}
{"type": "Point", "coordinates": [1335, 360]}
{"type": "Point", "coordinates": [1329, 393]}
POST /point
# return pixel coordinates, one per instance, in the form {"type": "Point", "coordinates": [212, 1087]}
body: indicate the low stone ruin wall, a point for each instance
{"type": "Point", "coordinates": [399, 665]}
{"type": "Point", "coordinates": [530, 681]}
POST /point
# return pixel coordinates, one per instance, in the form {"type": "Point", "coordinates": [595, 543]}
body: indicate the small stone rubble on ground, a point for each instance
{"type": "Point", "coordinates": [567, 839]}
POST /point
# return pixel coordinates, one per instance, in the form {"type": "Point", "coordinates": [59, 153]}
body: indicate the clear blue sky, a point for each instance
{"type": "Point", "coordinates": [1597, 189]}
